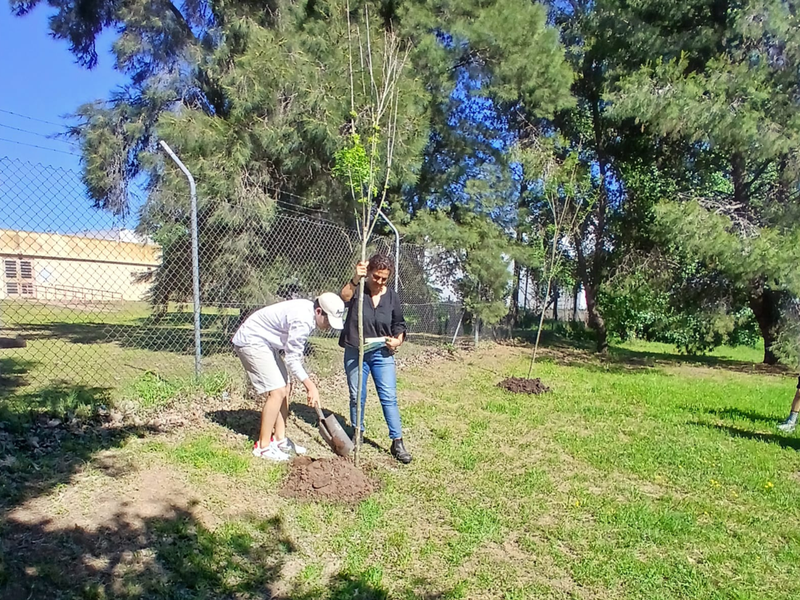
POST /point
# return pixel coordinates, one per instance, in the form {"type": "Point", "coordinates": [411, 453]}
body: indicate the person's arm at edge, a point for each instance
{"type": "Point", "coordinates": [295, 348]}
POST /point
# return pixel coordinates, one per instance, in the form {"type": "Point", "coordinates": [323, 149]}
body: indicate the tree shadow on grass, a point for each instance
{"type": "Point", "coordinates": [144, 336]}
{"type": "Point", "coordinates": [711, 362]}
{"type": "Point", "coordinates": [770, 438]}
{"type": "Point", "coordinates": [169, 556]}
{"type": "Point", "coordinates": [161, 337]}
{"type": "Point", "coordinates": [13, 374]}
{"type": "Point", "coordinates": [63, 400]}
{"type": "Point", "coordinates": [48, 434]}
{"type": "Point", "coordinates": [735, 414]}
{"type": "Point", "coordinates": [345, 586]}
{"type": "Point", "coordinates": [46, 437]}
{"type": "Point", "coordinates": [623, 360]}
{"type": "Point", "coordinates": [247, 422]}
{"type": "Point", "coordinates": [244, 421]}
{"type": "Point", "coordinates": [309, 416]}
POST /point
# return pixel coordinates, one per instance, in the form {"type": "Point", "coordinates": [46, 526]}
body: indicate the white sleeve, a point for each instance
{"type": "Point", "coordinates": [295, 348]}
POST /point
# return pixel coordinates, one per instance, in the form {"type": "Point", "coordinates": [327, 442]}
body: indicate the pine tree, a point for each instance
{"type": "Point", "coordinates": [726, 91]}
{"type": "Point", "coordinates": [511, 68]}
{"type": "Point", "coordinates": [255, 100]}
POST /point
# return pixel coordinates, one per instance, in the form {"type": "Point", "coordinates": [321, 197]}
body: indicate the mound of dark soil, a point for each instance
{"type": "Point", "coordinates": [331, 479]}
{"type": "Point", "coordinates": [521, 385]}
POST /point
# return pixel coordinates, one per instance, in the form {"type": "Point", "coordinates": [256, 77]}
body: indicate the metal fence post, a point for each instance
{"type": "Point", "coordinates": [458, 326]}
{"type": "Point", "coordinates": [195, 257]}
{"type": "Point", "coordinates": [396, 250]}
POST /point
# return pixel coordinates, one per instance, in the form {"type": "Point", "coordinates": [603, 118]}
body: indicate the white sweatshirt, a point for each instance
{"type": "Point", "coordinates": [282, 326]}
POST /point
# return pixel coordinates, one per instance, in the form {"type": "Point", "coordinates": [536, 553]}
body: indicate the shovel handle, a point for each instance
{"type": "Point", "coordinates": [320, 414]}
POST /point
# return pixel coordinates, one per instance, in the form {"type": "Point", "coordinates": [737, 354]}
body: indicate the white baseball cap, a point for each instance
{"type": "Point", "coordinates": [333, 306]}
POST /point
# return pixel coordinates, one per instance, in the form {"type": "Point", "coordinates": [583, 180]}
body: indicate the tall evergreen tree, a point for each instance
{"type": "Point", "coordinates": [604, 145]}
{"type": "Point", "coordinates": [727, 91]}
{"type": "Point", "coordinates": [255, 99]}
{"type": "Point", "coordinates": [511, 68]}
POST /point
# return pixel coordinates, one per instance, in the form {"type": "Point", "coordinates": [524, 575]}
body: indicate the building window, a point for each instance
{"type": "Point", "coordinates": [11, 269]}
{"type": "Point", "coordinates": [19, 277]}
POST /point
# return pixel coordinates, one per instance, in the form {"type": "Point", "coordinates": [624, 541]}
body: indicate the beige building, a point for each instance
{"type": "Point", "coordinates": [74, 268]}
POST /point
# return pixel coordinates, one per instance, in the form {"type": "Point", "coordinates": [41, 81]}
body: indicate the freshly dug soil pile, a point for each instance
{"type": "Point", "coordinates": [332, 479]}
{"type": "Point", "coordinates": [520, 385]}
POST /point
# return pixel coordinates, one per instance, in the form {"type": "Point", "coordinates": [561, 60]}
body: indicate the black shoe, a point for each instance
{"type": "Point", "coordinates": [399, 451]}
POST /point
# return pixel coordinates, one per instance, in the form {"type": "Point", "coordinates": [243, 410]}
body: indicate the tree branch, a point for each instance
{"type": "Point", "coordinates": [759, 172]}
{"type": "Point", "coordinates": [182, 22]}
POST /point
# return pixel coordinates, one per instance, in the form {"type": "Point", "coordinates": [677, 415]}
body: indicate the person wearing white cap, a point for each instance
{"type": "Point", "coordinates": [284, 326]}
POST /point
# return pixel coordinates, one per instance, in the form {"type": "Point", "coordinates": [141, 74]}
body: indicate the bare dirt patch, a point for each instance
{"type": "Point", "coordinates": [94, 534]}
{"type": "Point", "coordinates": [132, 501]}
{"type": "Point", "coordinates": [331, 479]}
{"type": "Point", "coordinates": [521, 385]}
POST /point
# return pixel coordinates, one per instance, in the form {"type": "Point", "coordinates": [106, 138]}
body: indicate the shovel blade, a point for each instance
{"type": "Point", "coordinates": [335, 436]}
{"type": "Point", "coordinates": [323, 431]}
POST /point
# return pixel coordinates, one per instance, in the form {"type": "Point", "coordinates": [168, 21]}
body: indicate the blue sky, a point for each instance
{"type": "Point", "coordinates": [42, 84]}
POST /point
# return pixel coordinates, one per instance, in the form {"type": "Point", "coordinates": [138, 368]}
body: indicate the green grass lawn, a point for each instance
{"type": "Point", "coordinates": [646, 475]}
{"type": "Point", "coordinates": [107, 347]}
{"type": "Point", "coordinates": [625, 482]}
{"type": "Point", "coordinates": [101, 354]}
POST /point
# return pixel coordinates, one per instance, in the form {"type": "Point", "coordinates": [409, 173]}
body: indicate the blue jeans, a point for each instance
{"type": "Point", "coordinates": [381, 364]}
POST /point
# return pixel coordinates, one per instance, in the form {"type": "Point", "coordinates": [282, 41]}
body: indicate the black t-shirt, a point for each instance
{"type": "Point", "coordinates": [384, 321]}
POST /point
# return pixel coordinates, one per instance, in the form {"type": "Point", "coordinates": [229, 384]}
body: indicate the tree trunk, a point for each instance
{"type": "Point", "coordinates": [765, 304]}
{"type": "Point", "coordinates": [525, 295]}
{"type": "Point", "coordinates": [361, 382]}
{"type": "Point", "coordinates": [517, 268]}
{"type": "Point", "coordinates": [594, 318]}
{"type": "Point", "coordinates": [738, 170]}
{"type": "Point", "coordinates": [514, 309]}
{"type": "Point", "coordinates": [555, 303]}
{"type": "Point", "coordinates": [575, 301]}
{"type": "Point", "coordinates": [591, 274]}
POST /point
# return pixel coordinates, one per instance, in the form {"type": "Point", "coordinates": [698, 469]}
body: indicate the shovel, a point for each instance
{"type": "Point", "coordinates": [333, 434]}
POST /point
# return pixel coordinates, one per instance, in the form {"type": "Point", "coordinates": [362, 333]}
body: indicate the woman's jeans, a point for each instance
{"type": "Point", "coordinates": [380, 363]}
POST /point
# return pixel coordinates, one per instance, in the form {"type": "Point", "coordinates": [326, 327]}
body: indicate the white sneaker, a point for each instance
{"type": "Point", "coordinates": [271, 452]}
{"type": "Point", "coordinates": [288, 446]}
{"type": "Point", "coordinates": [787, 426]}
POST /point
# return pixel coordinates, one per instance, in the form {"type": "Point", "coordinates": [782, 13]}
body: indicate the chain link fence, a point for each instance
{"type": "Point", "coordinates": [98, 300]}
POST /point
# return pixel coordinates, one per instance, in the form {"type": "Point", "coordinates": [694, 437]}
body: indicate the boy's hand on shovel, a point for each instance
{"type": "Point", "coordinates": [312, 393]}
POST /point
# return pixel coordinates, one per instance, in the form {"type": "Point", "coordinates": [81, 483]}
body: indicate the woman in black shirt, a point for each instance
{"type": "Point", "coordinates": [383, 318]}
